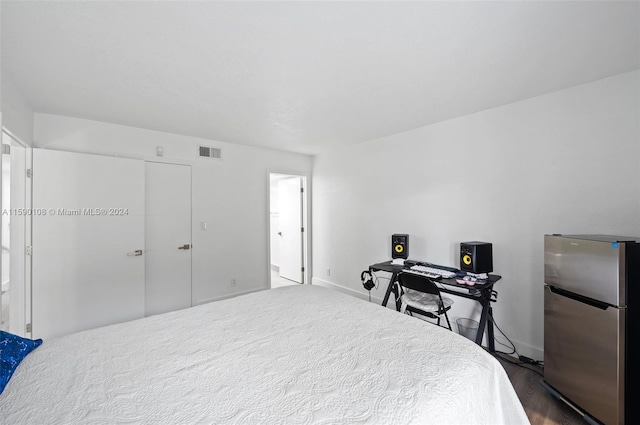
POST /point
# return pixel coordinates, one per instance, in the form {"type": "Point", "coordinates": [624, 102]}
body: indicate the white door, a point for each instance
{"type": "Point", "coordinates": [168, 237]}
{"type": "Point", "coordinates": [290, 214]}
{"type": "Point", "coordinates": [14, 203]}
{"type": "Point", "coordinates": [88, 237]}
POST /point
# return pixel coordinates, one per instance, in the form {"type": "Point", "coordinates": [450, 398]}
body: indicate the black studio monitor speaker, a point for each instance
{"type": "Point", "coordinates": [400, 246]}
{"type": "Point", "coordinates": [476, 257]}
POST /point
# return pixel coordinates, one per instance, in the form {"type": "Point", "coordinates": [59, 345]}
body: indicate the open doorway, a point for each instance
{"type": "Point", "coordinates": [287, 229]}
{"type": "Point", "coordinates": [15, 307]}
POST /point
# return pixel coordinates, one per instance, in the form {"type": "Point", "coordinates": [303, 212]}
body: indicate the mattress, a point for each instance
{"type": "Point", "coordinates": [294, 355]}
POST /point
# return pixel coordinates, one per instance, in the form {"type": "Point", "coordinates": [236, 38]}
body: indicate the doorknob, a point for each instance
{"type": "Point", "coordinates": [280, 233]}
{"type": "Point", "coordinates": [135, 253]}
{"type": "Point", "coordinates": [185, 246]}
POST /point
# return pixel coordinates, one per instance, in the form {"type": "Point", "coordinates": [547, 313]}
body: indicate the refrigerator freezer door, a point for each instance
{"type": "Point", "coordinates": [594, 269]}
{"type": "Point", "coordinates": [584, 355]}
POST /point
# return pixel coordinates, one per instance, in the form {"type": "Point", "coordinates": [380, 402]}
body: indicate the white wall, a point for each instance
{"type": "Point", "coordinates": [566, 162]}
{"type": "Point", "coordinates": [230, 194]}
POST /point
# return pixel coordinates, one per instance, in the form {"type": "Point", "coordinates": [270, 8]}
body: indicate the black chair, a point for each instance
{"type": "Point", "coordinates": [420, 294]}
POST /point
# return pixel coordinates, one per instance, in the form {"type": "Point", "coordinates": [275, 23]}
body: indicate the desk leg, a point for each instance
{"type": "Point", "coordinates": [391, 288]}
{"type": "Point", "coordinates": [492, 345]}
{"type": "Point", "coordinates": [486, 306]}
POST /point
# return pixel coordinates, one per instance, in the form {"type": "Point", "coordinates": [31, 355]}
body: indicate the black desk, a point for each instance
{"type": "Point", "coordinates": [482, 293]}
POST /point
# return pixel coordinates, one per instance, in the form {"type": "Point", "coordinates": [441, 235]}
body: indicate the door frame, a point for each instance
{"type": "Point", "coordinates": [306, 220]}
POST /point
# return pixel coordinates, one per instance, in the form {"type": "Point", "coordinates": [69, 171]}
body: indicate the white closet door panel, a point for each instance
{"type": "Point", "coordinates": [82, 275]}
{"type": "Point", "coordinates": [168, 227]}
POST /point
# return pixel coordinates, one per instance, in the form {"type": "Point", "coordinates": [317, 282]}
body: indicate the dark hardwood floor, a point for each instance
{"type": "Point", "coordinates": [541, 407]}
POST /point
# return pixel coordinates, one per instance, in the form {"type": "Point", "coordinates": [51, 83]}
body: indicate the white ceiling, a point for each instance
{"type": "Point", "coordinates": [305, 76]}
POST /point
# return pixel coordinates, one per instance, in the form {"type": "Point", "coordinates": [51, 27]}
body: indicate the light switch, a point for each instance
{"type": "Point", "coordinates": [203, 225]}
{"type": "Point", "coordinates": [159, 150]}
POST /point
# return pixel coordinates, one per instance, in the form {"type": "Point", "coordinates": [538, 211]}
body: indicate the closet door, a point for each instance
{"type": "Point", "coordinates": [88, 241]}
{"type": "Point", "coordinates": [167, 237]}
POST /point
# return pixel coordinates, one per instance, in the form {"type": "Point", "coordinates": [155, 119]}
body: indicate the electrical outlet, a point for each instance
{"type": "Point", "coordinates": [233, 282]}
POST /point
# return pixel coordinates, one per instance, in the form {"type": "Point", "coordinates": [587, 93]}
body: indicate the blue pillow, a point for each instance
{"type": "Point", "coordinates": [13, 349]}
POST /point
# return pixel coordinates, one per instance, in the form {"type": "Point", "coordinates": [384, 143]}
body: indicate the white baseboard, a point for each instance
{"type": "Point", "coordinates": [224, 297]}
{"type": "Point", "coordinates": [340, 288]}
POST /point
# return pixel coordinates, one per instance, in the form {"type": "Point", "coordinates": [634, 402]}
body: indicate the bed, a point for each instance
{"type": "Point", "coordinates": [294, 355]}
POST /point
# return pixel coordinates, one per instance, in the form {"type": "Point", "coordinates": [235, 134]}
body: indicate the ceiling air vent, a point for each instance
{"type": "Point", "coordinates": [208, 152]}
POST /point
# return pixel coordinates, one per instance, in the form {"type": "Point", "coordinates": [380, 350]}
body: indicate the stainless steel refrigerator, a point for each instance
{"type": "Point", "coordinates": [590, 316]}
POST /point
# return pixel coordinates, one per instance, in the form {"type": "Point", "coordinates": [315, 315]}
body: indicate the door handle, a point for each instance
{"type": "Point", "coordinates": [185, 246]}
{"type": "Point", "coordinates": [280, 233]}
{"type": "Point", "coordinates": [135, 253]}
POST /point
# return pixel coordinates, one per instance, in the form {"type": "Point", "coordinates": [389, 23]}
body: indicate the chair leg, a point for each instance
{"type": "Point", "coordinates": [446, 316]}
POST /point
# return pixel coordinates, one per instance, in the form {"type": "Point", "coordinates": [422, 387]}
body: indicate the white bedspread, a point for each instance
{"type": "Point", "coordinates": [293, 355]}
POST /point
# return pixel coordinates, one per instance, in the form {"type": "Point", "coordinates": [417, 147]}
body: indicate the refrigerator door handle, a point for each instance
{"type": "Point", "coordinates": [580, 298]}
